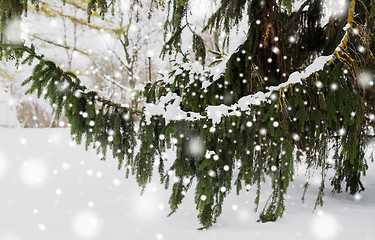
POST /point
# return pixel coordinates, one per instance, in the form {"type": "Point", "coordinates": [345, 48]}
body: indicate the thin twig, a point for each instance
{"type": "Point", "coordinates": [298, 13]}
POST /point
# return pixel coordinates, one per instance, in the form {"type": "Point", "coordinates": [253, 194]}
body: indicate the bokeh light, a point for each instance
{"type": "Point", "coordinates": [34, 172]}
{"type": "Point", "coordinates": [86, 224]}
{"type": "Point", "coordinates": [325, 226]}
{"type": "Point", "coordinates": [3, 164]}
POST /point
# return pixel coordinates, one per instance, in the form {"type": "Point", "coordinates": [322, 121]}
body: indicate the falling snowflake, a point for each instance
{"type": "Point", "coordinates": [86, 224]}
{"type": "Point", "coordinates": [196, 147]}
{"type": "Point", "coordinates": [33, 172]}
{"type": "Point", "coordinates": [325, 226]}
{"type": "Point", "coordinates": [3, 165]}
{"type": "Point", "coordinates": [366, 80]}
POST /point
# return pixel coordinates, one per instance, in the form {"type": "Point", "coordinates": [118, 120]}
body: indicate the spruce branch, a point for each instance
{"type": "Point", "coordinates": [19, 51]}
{"type": "Point", "coordinates": [236, 115]}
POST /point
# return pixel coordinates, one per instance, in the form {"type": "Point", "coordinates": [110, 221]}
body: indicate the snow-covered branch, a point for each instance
{"type": "Point", "coordinates": [169, 105]}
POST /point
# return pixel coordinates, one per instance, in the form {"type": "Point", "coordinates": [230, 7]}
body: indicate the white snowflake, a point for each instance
{"type": "Point", "coordinates": [86, 224]}
{"type": "Point", "coordinates": [3, 165]}
{"type": "Point", "coordinates": [195, 147]}
{"type": "Point", "coordinates": [325, 226]}
{"type": "Point", "coordinates": [34, 172]}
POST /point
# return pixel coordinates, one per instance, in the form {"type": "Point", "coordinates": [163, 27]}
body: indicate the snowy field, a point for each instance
{"type": "Point", "coordinates": [51, 189]}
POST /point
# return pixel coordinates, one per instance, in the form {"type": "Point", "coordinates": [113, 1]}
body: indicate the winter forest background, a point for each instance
{"type": "Point", "coordinates": [53, 188]}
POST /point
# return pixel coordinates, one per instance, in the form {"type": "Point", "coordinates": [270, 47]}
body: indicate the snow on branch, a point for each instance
{"type": "Point", "coordinates": [196, 68]}
{"type": "Point", "coordinates": [169, 108]}
{"type": "Point", "coordinates": [169, 105]}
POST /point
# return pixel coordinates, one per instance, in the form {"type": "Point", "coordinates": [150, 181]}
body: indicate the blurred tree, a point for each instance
{"type": "Point", "coordinates": [115, 59]}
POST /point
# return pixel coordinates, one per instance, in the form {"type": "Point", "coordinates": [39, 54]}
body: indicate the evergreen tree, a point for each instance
{"type": "Point", "coordinates": [293, 91]}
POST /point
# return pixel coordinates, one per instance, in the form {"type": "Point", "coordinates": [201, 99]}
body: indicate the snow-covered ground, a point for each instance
{"type": "Point", "coordinates": [51, 189]}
